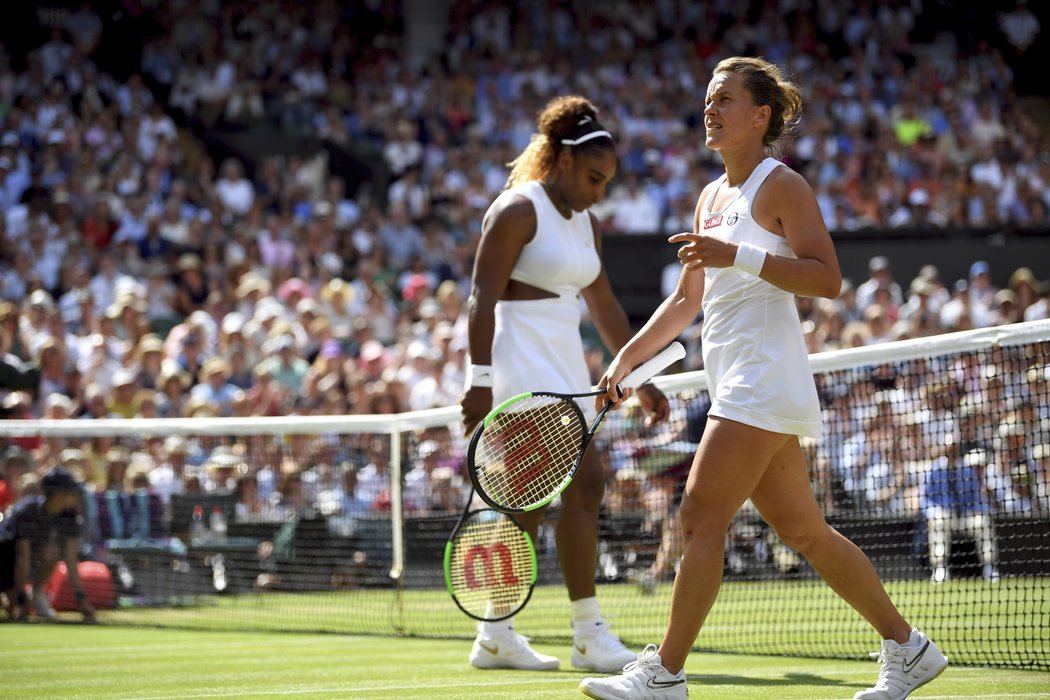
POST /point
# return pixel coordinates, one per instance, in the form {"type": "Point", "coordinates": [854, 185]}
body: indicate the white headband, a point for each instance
{"type": "Point", "coordinates": [586, 137]}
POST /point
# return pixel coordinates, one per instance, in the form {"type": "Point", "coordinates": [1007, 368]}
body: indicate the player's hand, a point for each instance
{"type": "Point", "coordinates": [609, 381]}
{"type": "Point", "coordinates": [475, 405]}
{"type": "Point", "coordinates": [654, 403]}
{"type": "Point", "coordinates": [700, 251]}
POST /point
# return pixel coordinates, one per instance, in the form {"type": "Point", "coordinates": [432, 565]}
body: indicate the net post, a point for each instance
{"type": "Point", "coordinates": [397, 529]}
{"type": "Point", "coordinates": [396, 505]}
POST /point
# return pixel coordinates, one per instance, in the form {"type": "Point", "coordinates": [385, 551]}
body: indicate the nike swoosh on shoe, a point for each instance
{"type": "Point", "coordinates": [918, 657]}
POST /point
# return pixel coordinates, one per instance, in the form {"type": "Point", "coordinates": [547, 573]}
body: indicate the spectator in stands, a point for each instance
{"type": "Point", "coordinates": [1011, 477]}
{"type": "Point", "coordinates": [954, 498]}
{"type": "Point", "coordinates": [146, 516]}
{"type": "Point", "coordinates": [1020, 27]}
{"type": "Point", "coordinates": [982, 291]}
{"type": "Point", "coordinates": [121, 403]}
{"type": "Point", "coordinates": [172, 383]}
{"type": "Point", "coordinates": [1041, 308]}
{"type": "Point", "coordinates": [373, 480]}
{"type": "Point", "coordinates": [418, 480]}
{"type": "Point", "coordinates": [191, 287]}
{"type": "Point", "coordinates": [215, 387]}
{"type": "Point", "coordinates": [249, 506]}
{"type": "Point", "coordinates": [168, 477]}
{"type": "Point", "coordinates": [880, 276]}
{"type": "Point", "coordinates": [628, 493]}
{"type": "Point", "coordinates": [351, 504]}
{"type": "Point", "coordinates": [959, 314]}
{"type": "Point", "coordinates": [38, 532]}
{"type": "Point", "coordinates": [285, 366]}
{"type": "Point", "coordinates": [1041, 478]}
{"type": "Point", "coordinates": [636, 211]}
{"type": "Point", "coordinates": [15, 463]}
{"type": "Point", "coordinates": [112, 501]}
{"type": "Point", "coordinates": [292, 501]}
{"type": "Point", "coordinates": [540, 220]}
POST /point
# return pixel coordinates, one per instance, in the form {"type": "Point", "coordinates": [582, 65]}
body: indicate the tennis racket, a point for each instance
{"type": "Point", "coordinates": [490, 564]}
{"type": "Point", "coordinates": [526, 450]}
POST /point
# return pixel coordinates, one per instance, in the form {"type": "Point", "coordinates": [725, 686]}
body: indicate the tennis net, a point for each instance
{"type": "Point", "coordinates": [935, 460]}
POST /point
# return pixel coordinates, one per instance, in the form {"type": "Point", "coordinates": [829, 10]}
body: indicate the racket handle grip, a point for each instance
{"type": "Point", "coordinates": [653, 366]}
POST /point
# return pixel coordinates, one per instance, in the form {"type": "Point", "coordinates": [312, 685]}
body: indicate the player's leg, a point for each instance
{"type": "Point", "coordinates": [727, 466]}
{"type": "Point", "coordinates": [44, 559]}
{"type": "Point", "coordinates": [595, 646]}
{"type": "Point", "coordinates": [785, 499]}
{"type": "Point", "coordinates": [577, 528]}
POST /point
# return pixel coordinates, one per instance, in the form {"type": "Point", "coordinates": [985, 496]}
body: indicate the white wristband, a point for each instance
{"type": "Point", "coordinates": [749, 258]}
{"type": "Point", "coordinates": [479, 375]}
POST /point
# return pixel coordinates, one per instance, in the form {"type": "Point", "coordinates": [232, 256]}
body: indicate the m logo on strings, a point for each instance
{"type": "Point", "coordinates": [489, 556]}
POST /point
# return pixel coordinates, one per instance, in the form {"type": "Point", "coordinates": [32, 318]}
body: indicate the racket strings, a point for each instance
{"type": "Point", "coordinates": [526, 452]}
{"type": "Point", "coordinates": [492, 567]}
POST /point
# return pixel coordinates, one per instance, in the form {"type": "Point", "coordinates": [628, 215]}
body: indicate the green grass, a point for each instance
{"type": "Point", "coordinates": [1007, 624]}
{"type": "Point", "coordinates": [107, 661]}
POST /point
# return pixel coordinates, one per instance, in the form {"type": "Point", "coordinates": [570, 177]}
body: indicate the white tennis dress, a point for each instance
{"type": "Point", "coordinates": [537, 344]}
{"type": "Point", "coordinates": [754, 353]}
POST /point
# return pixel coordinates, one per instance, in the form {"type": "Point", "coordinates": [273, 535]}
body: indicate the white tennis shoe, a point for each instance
{"type": "Point", "coordinates": [905, 668]}
{"type": "Point", "coordinates": [596, 648]}
{"type": "Point", "coordinates": [645, 678]}
{"type": "Point", "coordinates": [508, 649]}
{"type": "Point", "coordinates": [43, 608]}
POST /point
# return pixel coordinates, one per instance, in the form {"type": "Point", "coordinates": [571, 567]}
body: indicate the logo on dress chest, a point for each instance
{"type": "Point", "coordinates": [716, 221]}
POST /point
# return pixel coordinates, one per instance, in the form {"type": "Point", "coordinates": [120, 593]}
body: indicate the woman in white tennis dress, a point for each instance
{"type": "Point", "coordinates": [539, 253]}
{"type": "Point", "coordinates": [758, 239]}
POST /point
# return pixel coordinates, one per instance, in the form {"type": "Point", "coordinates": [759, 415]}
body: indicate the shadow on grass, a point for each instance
{"type": "Point", "coordinates": [788, 679]}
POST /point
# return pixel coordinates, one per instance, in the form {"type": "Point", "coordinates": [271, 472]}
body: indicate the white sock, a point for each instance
{"type": "Point", "coordinates": [913, 639]}
{"type": "Point", "coordinates": [585, 612]}
{"type": "Point", "coordinates": [491, 629]}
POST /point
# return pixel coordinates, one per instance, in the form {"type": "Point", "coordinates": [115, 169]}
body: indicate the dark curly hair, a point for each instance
{"type": "Point", "coordinates": [568, 117]}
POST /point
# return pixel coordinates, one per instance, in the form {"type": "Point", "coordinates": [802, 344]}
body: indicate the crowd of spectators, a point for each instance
{"type": "Point", "coordinates": [147, 280]}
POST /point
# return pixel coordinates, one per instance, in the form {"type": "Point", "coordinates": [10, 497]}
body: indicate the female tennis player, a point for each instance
{"type": "Point", "coordinates": [540, 249]}
{"type": "Point", "coordinates": [758, 239]}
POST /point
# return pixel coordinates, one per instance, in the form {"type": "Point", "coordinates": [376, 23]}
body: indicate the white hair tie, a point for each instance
{"type": "Point", "coordinates": [586, 137]}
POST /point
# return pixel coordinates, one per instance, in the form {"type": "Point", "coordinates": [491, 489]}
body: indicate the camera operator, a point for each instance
{"type": "Point", "coordinates": [37, 532]}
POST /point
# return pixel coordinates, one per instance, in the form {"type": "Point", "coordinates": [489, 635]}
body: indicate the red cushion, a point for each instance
{"type": "Point", "coordinates": [97, 581]}
{"type": "Point", "coordinates": [6, 495]}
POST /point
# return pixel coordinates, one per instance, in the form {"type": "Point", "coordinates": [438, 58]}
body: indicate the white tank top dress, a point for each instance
{"type": "Point", "coordinates": [754, 352]}
{"type": "Point", "coordinates": [537, 344]}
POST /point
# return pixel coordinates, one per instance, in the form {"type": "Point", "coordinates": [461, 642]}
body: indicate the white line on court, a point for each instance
{"type": "Point", "coordinates": [364, 689]}
{"type": "Point", "coordinates": [143, 649]}
{"type": "Point", "coordinates": [986, 696]}
{"type": "Point", "coordinates": [551, 681]}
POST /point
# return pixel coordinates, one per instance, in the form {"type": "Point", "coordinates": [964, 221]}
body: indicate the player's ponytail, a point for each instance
{"type": "Point", "coordinates": [768, 86]}
{"type": "Point", "coordinates": [566, 122]}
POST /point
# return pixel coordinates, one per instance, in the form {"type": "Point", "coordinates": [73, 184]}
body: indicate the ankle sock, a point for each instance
{"type": "Point", "coordinates": [585, 613]}
{"type": "Point", "coordinates": [491, 629]}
